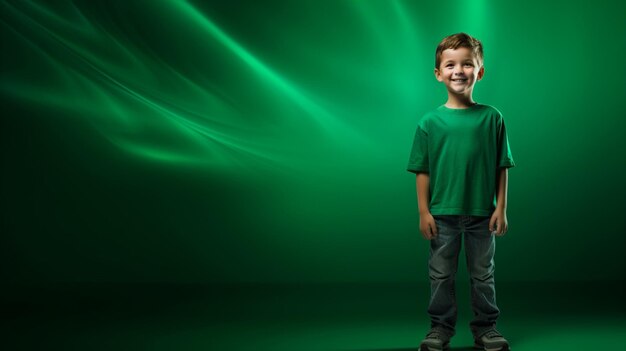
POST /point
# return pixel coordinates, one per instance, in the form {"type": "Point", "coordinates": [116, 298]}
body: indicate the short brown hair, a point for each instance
{"type": "Point", "coordinates": [457, 40]}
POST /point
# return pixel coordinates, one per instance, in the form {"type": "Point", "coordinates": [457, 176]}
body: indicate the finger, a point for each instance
{"type": "Point", "coordinates": [494, 229]}
{"type": "Point", "coordinates": [502, 229]}
{"type": "Point", "coordinates": [434, 229]}
{"type": "Point", "coordinates": [426, 233]}
{"type": "Point", "coordinates": [491, 223]}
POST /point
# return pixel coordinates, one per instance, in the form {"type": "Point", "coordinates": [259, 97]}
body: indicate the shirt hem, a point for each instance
{"type": "Point", "coordinates": [417, 168]}
{"type": "Point", "coordinates": [507, 165]}
{"type": "Point", "coordinates": [459, 211]}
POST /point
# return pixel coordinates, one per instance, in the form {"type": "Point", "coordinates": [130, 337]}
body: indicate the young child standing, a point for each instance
{"type": "Point", "coordinates": [461, 156]}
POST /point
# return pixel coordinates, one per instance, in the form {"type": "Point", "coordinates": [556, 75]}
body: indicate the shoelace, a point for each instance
{"type": "Point", "coordinates": [492, 333]}
{"type": "Point", "coordinates": [435, 334]}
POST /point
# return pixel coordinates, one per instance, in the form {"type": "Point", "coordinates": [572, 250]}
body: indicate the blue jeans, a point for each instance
{"type": "Point", "coordinates": [480, 247]}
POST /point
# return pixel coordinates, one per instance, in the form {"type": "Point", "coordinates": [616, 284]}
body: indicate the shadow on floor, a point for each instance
{"type": "Point", "coordinates": [416, 348]}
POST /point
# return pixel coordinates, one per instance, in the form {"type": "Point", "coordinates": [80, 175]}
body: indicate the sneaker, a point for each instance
{"type": "Point", "coordinates": [437, 339]}
{"type": "Point", "coordinates": [492, 340]}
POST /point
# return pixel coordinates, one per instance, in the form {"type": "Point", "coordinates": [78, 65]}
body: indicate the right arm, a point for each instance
{"type": "Point", "coordinates": [427, 222]}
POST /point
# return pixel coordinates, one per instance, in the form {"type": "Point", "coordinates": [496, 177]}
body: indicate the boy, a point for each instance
{"type": "Point", "coordinates": [460, 156]}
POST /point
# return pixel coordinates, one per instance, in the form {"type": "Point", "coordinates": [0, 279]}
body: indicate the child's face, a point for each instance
{"type": "Point", "coordinates": [459, 71]}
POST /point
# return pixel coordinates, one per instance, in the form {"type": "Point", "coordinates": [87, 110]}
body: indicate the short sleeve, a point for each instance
{"type": "Point", "coordinates": [418, 160]}
{"type": "Point", "coordinates": [505, 158]}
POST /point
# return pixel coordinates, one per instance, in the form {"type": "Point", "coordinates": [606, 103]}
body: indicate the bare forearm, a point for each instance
{"type": "Point", "coordinates": [423, 192]}
{"type": "Point", "coordinates": [502, 179]}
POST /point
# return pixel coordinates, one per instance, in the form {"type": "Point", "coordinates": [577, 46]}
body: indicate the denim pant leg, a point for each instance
{"type": "Point", "coordinates": [442, 267]}
{"type": "Point", "coordinates": [480, 247]}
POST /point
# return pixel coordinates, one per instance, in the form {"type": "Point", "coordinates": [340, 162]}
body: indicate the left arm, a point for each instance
{"type": "Point", "coordinates": [499, 215]}
{"type": "Point", "coordinates": [502, 178]}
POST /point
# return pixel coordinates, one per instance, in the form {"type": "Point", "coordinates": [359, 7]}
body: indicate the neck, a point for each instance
{"type": "Point", "coordinates": [460, 101]}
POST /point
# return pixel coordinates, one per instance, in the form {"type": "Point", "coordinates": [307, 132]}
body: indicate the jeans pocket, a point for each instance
{"type": "Point", "coordinates": [443, 222]}
{"type": "Point", "coordinates": [483, 221]}
{"type": "Point", "coordinates": [438, 221]}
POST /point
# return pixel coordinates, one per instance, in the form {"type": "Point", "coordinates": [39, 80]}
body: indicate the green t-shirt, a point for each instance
{"type": "Point", "coordinates": [461, 149]}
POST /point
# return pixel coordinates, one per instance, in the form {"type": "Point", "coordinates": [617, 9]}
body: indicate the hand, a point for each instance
{"type": "Point", "coordinates": [499, 222]}
{"type": "Point", "coordinates": [428, 226]}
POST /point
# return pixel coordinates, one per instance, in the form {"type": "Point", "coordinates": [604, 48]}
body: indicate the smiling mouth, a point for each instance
{"type": "Point", "coordinates": [459, 80]}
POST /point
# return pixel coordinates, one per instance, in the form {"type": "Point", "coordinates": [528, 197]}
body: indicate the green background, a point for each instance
{"type": "Point", "coordinates": [243, 142]}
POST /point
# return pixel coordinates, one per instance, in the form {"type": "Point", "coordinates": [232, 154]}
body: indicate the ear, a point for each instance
{"type": "Point", "coordinates": [481, 73]}
{"type": "Point", "coordinates": [438, 75]}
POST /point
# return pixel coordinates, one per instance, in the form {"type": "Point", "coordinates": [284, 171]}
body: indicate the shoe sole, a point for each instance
{"type": "Point", "coordinates": [431, 348]}
{"type": "Point", "coordinates": [428, 348]}
{"type": "Point", "coordinates": [499, 348]}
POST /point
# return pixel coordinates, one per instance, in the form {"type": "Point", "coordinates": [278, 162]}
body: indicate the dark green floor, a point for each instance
{"type": "Point", "coordinates": [298, 317]}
